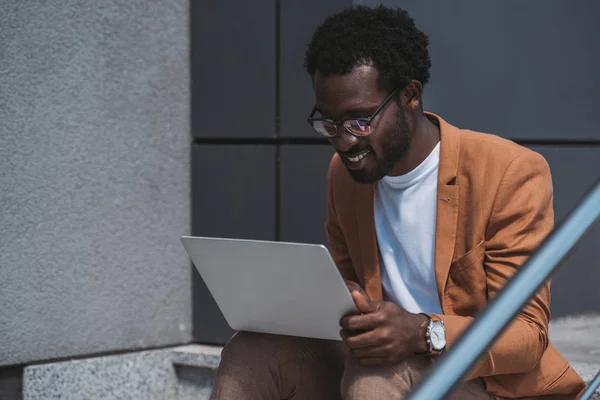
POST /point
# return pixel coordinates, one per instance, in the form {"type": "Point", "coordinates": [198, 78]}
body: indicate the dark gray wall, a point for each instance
{"type": "Point", "coordinates": [233, 196]}
{"type": "Point", "coordinates": [94, 189]}
{"type": "Point", "coordinates": [298, 20]}
{"type": "Point", "coordinates": [303, 180]}
{"type": "Point", "coordinates": [575, 285]}
{"type": "Point", "coordinates": [226, 40]}
{"type": "Point", "coordinates": [521, 70]}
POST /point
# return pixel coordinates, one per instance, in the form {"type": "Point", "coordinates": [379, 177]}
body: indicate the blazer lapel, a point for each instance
{"type": "Point", "coordinates": [445, 234]}
{"type": "Point", "coordinates": [447, 204]}
{"type": "Point", "coordinates": [369, 254]}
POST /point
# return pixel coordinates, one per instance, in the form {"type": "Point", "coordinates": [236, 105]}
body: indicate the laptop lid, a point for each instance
{"type": "Point", "coordinates": [273, 287]}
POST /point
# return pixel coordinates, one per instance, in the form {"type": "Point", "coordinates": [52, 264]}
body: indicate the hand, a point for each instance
{"type": "Point", "coordinates": [384, 333]}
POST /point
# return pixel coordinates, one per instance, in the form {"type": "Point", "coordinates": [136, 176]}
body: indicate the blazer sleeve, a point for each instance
{"type": "Point", "coordinates": [521, 219]}
{"type": "Point", "coordinates": [335, 236]}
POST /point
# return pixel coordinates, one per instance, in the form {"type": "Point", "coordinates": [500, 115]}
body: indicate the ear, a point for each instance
{"type": "Point", "coordinates": [411, 96]}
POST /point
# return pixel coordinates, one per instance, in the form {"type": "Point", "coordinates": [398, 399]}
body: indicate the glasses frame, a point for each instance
{"type": "Point", "coordinates": [337, 123]}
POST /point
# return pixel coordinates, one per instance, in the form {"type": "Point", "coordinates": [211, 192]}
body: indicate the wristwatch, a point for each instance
{"type": "Point", "coordinates": [435, 335]}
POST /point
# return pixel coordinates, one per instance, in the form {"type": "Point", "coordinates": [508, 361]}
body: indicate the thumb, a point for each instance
{"type": "Point", "coordinates": [363, 303]}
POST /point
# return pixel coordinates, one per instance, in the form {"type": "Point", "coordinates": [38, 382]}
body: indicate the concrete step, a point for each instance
{"type": "Point", "coordinates": [186, 372]}
{"type": "Point", "coordinates": [181, 373]}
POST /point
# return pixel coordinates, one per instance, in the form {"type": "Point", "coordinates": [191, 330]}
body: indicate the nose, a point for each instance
{"type": "Point", "coordinates": [344, 140]}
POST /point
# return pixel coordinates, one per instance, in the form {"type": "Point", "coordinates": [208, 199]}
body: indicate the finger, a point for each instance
{"type": "Point", "coordinates": [355, 287]}
{"type": "Point", "coordinates": [363, 322]}
{"type": "Point", "coordinates": [352, 285]}
{"type": "Point", "coordinates": [368, 339]}
{"type": "Point", "coordinates": [363, 303]}
{"type": "Point", "coordinates": [344, 334]}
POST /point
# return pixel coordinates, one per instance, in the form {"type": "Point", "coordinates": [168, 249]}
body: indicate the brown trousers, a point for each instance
{"type": "Point", "coordinates": [263, 367]}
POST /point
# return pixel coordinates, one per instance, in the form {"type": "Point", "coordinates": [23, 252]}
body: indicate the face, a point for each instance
{"type": "Point", "coordinates": [357, 95]}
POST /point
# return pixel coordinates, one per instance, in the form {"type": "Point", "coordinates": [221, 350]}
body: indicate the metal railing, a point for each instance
{"type": "Point", "coordinates": [594, 384]}
{"type": "Point", "coordinates": [510, 300]}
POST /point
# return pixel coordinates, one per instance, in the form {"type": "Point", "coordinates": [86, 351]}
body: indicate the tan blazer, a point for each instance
{"type": "Point", "coordinates": [494, 208]}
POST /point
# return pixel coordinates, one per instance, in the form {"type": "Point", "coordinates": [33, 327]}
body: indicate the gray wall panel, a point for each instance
{"type": "Point", "coordinates": [298, 21]}
{"type": "Point", "coordinates": [94, 188]}
{"type": "Point", "coordinates": [233, 196]}
{"type": "Point", "coordinates": [575, 285]}
{"type": "Point", "coordinates": [303, 192]}
{"type": "Point", "coordinates": [519, 69]}
{"type": "Point", "coordinates": [233, 69]}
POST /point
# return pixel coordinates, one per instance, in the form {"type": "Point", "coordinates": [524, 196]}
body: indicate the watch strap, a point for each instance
{"type": "Point", "coordinates": [426, 338]}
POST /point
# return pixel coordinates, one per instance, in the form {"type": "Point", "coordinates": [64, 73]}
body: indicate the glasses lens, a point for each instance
{"type": "Point", "coordinates": [325, 128]}
{"type": "Point", "coordinates": [357, 127]}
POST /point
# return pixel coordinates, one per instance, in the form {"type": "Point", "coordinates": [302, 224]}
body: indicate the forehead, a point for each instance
{"type": "Point", "coordinates": [358, 89]}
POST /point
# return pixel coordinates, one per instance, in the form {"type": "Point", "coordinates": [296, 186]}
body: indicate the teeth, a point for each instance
{"type": "Point", "coordinates": [358, 157]}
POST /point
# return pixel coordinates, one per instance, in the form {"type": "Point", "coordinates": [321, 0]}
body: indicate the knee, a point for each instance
{"type": "Point", "coordinates": [362, 382]}
{"type": "Point", "coordinates": [244, 347]}
{"type": "Point", "coordinates": [252, 348]}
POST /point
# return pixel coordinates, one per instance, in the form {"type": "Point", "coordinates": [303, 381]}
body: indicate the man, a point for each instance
{"type": "Point", "coordinates": [425, 221]}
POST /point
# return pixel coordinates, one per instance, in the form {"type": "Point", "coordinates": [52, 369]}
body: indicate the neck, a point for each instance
{"type": "Point", "coordinates": [425, 137]}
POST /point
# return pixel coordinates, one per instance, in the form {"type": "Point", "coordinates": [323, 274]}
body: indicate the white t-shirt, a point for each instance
{"type": "Point", "coordinates": [405, 208]}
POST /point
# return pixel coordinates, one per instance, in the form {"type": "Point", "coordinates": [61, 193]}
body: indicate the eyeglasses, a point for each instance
{"type": "Point", "coordinates": [356, 126]}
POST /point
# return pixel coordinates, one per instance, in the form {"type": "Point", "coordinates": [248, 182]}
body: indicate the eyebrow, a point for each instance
{"type": "Point", "coordinates": [352, 112]}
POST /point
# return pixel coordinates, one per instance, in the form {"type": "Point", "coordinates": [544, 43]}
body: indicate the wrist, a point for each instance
{"type": "Point", "coordinates": [421, 345]}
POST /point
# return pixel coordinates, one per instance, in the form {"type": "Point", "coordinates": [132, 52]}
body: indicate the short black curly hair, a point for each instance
{"type": "Point", "coordinates": [383, 37]}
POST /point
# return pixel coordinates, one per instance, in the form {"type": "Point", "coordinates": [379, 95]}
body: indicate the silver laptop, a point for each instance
{"type": "Point", "coordinates": [273, 287]}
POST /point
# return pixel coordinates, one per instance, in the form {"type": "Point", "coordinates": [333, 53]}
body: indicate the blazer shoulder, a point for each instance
{"type": "Point", "coordinates": [338, 173]}
{"type": "Point", "coordinates": [341, 185]}
{"type": "Point", "coordinates": [335, 164]}
{"type": "Point", "coordinates": [497, 150]}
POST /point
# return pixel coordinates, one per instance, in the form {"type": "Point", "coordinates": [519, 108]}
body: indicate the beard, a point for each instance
{"type": "Point", "coordinates": [394, 145]}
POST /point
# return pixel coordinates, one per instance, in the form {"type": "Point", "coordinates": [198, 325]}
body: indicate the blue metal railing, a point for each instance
{"type": "Point", "coordinates": [594, 384]}
{"type": "Point", "coordinates": [510, 300]}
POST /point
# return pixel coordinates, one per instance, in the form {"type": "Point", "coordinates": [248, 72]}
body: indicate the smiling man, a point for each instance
{"type": "Point", "coordinates": [425, 221]}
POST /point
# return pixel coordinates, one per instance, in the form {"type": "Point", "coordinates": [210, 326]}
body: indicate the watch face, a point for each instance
{"type": "Point", "coordinates": [438, 336]}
